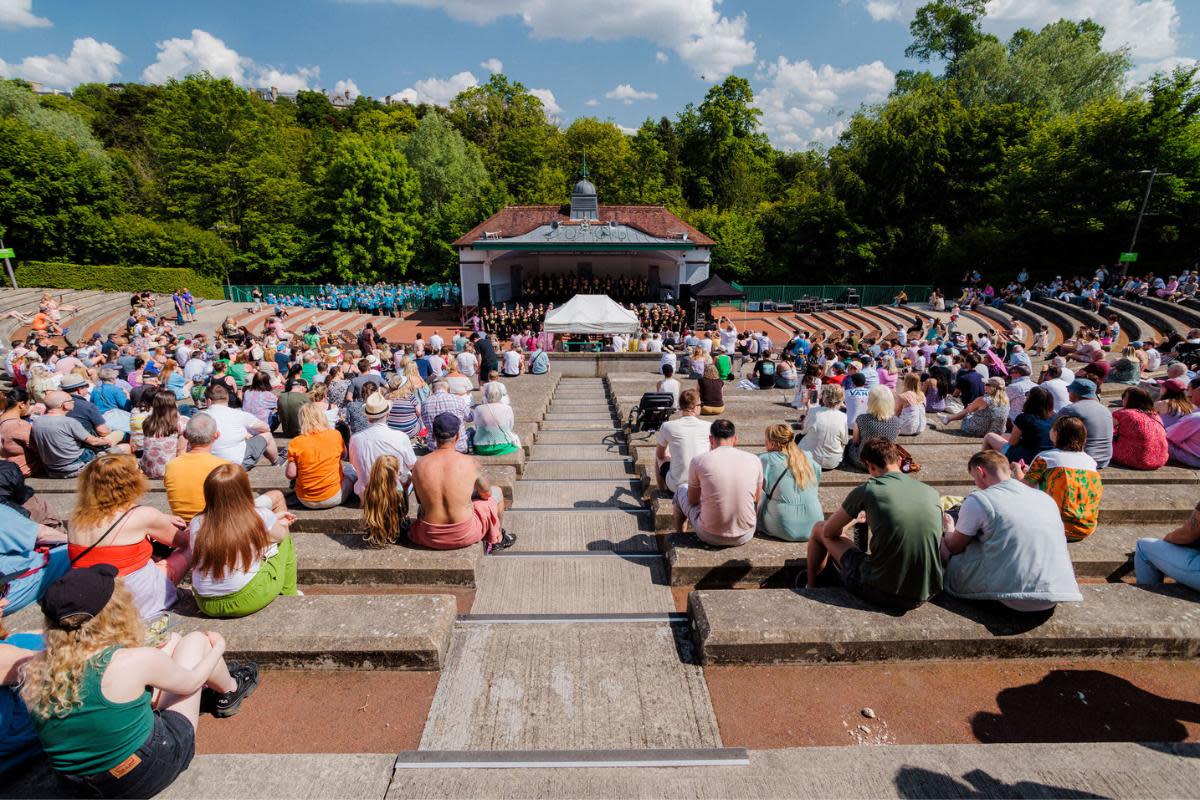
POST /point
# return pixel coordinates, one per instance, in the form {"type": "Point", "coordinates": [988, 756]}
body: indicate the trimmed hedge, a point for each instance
{"type": "Point", "coordinates": [162, 280]}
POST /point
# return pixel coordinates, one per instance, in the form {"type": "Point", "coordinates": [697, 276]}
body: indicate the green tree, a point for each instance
{"type": "Point", "coordinates": [738, 253]}
{"type": "Point", "coordinates": [372, 197]}
{"type": "Point", "coordinates": [456, 191]}
{"type": "Point", "coordinates": [654, 166]}
{"type": "Point", "coordinates": [608, 157]}
{"type": "Point", "coordinates": [725, 154]}
{"type": "Point", "coordinates": [946, 29]}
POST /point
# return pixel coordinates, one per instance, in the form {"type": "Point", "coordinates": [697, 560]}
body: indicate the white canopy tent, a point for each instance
{"type": "Point", "coordinates": [591, 313]}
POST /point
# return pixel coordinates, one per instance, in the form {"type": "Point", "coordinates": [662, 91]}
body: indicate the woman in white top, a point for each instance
{"type": "Point", "coordinates": [242, 551]}
{"type": "Point", "coordinates": [910, 405]}
{"type": "Point", "coordinates": [459, 384]}
{"type": "Point", "coordinates": [825, 431]}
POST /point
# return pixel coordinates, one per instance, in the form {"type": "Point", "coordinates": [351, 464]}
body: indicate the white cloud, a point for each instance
{"type": "Point", "coordinates": [627, 94]}
{"type": "Point", "coordinates": [19, 14]}
{"type": "Point", "coordinates": [493, 65]}
{"type": "Point", "coordinates": [342, 87]}
{"type": "Point", "coordinates": [798, 94]}
{"type": "Point", "coordinates": [883, 9]}
{"type": "Point", "coordinates": [288, 82]}
{"type": "Point", "coordinates": [551, 106]}
{"type": "Point", "coordinates": [199, 53]}
{"type": "Point", "coordinates": [437, 91]}
{"type": "Point", "coordinates": [89, 61]}
{"type": "Point", "coordinates": [711, 44]}
{"type": "Point", "coordinates": [592, 102]}
{"type": "Point", "coordinates": [1150, 28]}
{"type": "Point", "coordinates": [1145, 70]}
{"type": "Point", "coordinates": [627, 130]}
{"type": "Point", "coordinates": [830, 133]}
{"type": "Point", "coordinates": [203, 52]}
{"type": "Point", "coordinates": [661, 57]}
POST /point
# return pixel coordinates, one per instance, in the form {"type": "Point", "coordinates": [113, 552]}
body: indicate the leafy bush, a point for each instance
{"type": "Point", "coordinates": [57, 275]}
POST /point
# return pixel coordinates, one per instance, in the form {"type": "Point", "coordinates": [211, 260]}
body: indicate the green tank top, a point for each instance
{"type": "Point", "coordinates": [96, 735]}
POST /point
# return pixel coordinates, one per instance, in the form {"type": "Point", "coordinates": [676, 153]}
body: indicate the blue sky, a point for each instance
{"type": "Point", "coordinates": [811, 62]}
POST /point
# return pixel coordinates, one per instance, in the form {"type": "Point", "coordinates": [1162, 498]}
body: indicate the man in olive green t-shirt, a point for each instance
{"type": "Point", "coordinates": [289, 405]}
{"type": "Point", "coordinates": [902, 568]}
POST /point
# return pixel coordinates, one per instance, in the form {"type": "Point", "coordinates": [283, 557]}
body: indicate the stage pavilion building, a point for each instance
{"type": "Point", "coordinates": [521, 243]}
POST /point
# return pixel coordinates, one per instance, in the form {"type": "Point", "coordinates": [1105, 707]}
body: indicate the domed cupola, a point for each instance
{"type": "Point", "coordinates": [584, 204]}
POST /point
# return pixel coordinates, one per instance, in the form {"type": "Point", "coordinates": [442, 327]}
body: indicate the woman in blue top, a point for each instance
{"type": "Point", "coordinates": [1031, 429]}
{"type": "Point", "coordinates": [790, 505]}
{"type": "Point", "coordinates": [18, 737]}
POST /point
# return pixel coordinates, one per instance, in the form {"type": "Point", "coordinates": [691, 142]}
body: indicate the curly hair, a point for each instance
{"type": "Point", "coordinates": [50, 680]}
{"type": "Point", "coordinates": [107, 485]}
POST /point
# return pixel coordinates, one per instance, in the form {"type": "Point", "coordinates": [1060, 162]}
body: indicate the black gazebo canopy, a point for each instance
{"type": "Point", "coordinates": [715, 288]}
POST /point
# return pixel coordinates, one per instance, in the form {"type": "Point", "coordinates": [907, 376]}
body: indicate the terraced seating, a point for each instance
{"type": "Point", "coordinates": [1150, 319]}
{"type": "Point", "coordinates": [1183, 311]}
{"type": "Point", "coordinates": [326, 632]}
{"type": "Point", "coordinates": [779, 626]}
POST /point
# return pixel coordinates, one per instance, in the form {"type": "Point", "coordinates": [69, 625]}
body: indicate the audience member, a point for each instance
{"type": "Point", "coordinates": [856, 395]}
{"type": "Point", "coordinates": [288, 405]}
{"type": "Point", "coordinates": [1175, 556]}
{"type": "Point", "coordinates": [494, 425]}
{"type": "Point", "coordinates": [457, 507]}
{"type": "Point", "coordinates": [910, 405]}
{"type": "Point", "coordinates": [1069, 475]}
{"type": "Point", "coordinates": [678, 441]}
{"type": "Point", "coordinates": [824, 430]}
{"type": "Point", "coordinates": [1139, 439]}
{"type": "Point", "coordinates": [162, 434]}
{"type": "Point", "coordinates": [790, 504]}
{"type": "Point", "coordinates": [244, 438]}
{"type": "Point", "coordinates": [900, 568]}
{"type": "Point", "coordinates": [669, 385]}
{"type": "Point", "coordinates": [712, 392]}
{"type": "Point", "coordinates": [64, 446]}
{"type": "Point", "coordinates": [443, 402]}
{"type": "Point", "coordinates": [1097, 419]}
{"type": "Point", "coordinates": [986, 414]}
{"type": "Point", "coordinates": [16, 432]}
{"type": "Point", "coordinates": [110, 526]}
{"type": "Point", "coordinates": [1183, 438]}
{"type": "Point", "coordinates": [385, 508]}
{"type": "Point", "coordinates": [242, 552]}
{"type": "Point", "coordinates": [314, 462]}
{"type": "Point", "coordinates": [90, 694]}
{"type": "Point", "coordinates": [720, 497]}
{"type": "Point", "coordinates": [878, 420]}
{"type": "Point", "coordinates": [1007, 543]}
{"type": "Point", "coordinates": [1172, 405]}
{"type": "Point", "coordinates": [1031, 430]}
{"type": "Point", "coordinates": [378, 440]}
{"type": "Point", "coordinates": [32, 556]}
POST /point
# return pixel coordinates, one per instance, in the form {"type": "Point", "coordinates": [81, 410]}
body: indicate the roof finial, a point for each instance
{"type": "Point", "coordinates": [583, 170]}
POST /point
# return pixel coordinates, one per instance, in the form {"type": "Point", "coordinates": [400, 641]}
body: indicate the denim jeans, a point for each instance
{"type": "Point", "coordinates": [1154, 558]}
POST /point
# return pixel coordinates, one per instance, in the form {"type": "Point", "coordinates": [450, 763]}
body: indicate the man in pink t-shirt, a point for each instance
{"type": "Point", "coordinates": [720, 499]}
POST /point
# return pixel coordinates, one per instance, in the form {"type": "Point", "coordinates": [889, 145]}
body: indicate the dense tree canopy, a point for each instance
{"type": "Point", "coordinates": [1026, 153]}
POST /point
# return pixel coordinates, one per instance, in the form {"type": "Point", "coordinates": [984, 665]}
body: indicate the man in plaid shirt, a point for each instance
{"type": "Point", "coordinates": [442, 402]}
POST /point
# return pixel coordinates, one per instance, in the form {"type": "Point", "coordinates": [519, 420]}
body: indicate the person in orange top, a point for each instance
{"type": "Point", "coordinates": [315, 462]}
{"type": "Point", "coordinates": [1068, 475]}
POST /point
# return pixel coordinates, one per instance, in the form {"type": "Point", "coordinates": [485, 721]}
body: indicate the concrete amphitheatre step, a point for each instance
{"type": "Point", "coordinates": [577, 494]}
{"type": "Point", "coordinates": [605, 417]}
{"type": "Point", "coordinates": [550, 585]}
{"type": "Point", "coordinates": [780, 626]}
{"type": "Point", "coordinates": [579, 437]}
{"type": "Point", "coordinates": [572, 532]}
{"type": "Point", "coordinates": [324, 632]}
{"type": "Point", "coordinates": [578, 687]}
{"type": "Point", "coordinates": [582, 452]}
{"type": "Point", "coordinates": [763, 561]}
{"type": "Point", "coordinates": [605, 424]}
{"type": "Point", "coordinates": [1153, 504]}
{"type": "Point", "coordinates": [583, 470]}
{"type": "Point", "coordinates": [1106, 769]}
{"type": "Point", "coordinates": [346, 558]}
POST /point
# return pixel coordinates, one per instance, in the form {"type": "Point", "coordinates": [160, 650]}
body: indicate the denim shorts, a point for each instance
{"type": "Point", "coordinates": [163, 757]}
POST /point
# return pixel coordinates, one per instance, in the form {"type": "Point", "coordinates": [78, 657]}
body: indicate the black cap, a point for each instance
{"type": "Point", "coordinates": [79, 595]}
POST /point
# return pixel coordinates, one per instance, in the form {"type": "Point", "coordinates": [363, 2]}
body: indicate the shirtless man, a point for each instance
{"type": "Point", "coordinates": [458, 508]}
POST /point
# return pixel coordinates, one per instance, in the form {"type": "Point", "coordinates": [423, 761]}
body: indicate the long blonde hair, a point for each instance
{"type": "Point", "coordinates": [797, 460]}
{"type": "Point", "coordinates": [50, 680]}
{"type": "Point", "coordinates": [383, 504]}
{"type": "Point", "coordinates": [109, 484]}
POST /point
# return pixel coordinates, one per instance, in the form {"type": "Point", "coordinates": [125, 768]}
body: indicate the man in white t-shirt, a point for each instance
{"type": "Point", "coordinates": [669, 385]}
{"type": "Point", "coordinates": [856, 396]}
{"type": "Point", "coordinates": [468, 362]}
{"type": "Point", "coordinates": [679, 441]}
{"type": "Point", "coordinates": [243, 438]}
{"type": "Point", "coordinates": [436, 342]}
{"type": "Point", "coordinates": [729, 336]}
{"type": "Point", "coordinates": [379, 440]}
{"type": "Point", "coordinates": [669, 359]}
{"type": "Point", "coordinates": [1068, 374]}
{"type": "Point", "coordinates": [1018, 389]}
{"type": "Point", "coordinates": [656, 343]}
{"type": "Point", "coordinates": [511, 363]}
{"type": "Point", "coordinates": [1053, 383]}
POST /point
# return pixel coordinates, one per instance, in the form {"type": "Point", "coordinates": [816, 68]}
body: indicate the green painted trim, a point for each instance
{"type": "Point", "coordinates": [591, 247]}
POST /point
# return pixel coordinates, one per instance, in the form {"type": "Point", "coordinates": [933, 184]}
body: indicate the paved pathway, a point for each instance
{"type": "Point", "coordinates": [571, 643]}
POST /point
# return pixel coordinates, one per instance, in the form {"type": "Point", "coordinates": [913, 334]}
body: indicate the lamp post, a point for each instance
{"type": "Point", "coordinates": [1153, 173]}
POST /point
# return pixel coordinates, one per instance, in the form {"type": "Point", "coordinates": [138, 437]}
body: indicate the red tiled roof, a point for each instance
{"type": "Point", "coordinates": [518, 220]}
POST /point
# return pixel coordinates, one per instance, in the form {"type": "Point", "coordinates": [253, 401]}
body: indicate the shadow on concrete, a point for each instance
{"type": "Point", "coordinates": [915, 782]}
{"type": "Point", "coordinates": [1084, 705]}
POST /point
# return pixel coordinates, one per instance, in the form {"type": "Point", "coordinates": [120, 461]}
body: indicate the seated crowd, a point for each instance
{"type": "Point", "coordinates": [1044, 444]}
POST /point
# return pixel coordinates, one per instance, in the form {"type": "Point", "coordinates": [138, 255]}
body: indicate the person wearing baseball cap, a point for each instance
{"type": "Point", "coordinates": [99, 728]}
{"type": "Point", "coordinates": [458, 508]}
{"type": "Point", "coordinates": [1096, 418]}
